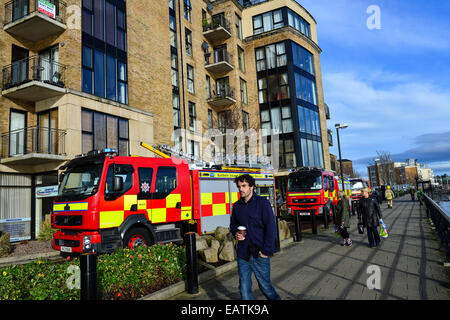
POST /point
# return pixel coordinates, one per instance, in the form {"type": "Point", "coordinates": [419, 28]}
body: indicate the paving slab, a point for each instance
{"type": "Point", "coordinates": [319, 268]}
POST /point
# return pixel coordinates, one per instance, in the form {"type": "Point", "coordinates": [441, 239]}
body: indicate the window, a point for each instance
{"type": "Point", "coordinates": [187, 10]}
{"type": "Point", "coordinates": [208, 87]}
{"type": "Point", "coordinates": [145, 182]}
{"type": "Point", "coordinates": [192, 116]}
{"type": "Point", "coordinates": [172, 4]}
{"type": "Point", "coordinates": [271, 56]}
{"type": "Point", "coordinates": [245, 121]}
{"type": "Point", "coordinates": [17, 132]}
{"type": "Point", "coordinates": [262, 90]}
{"type": "Point", "coordinates": [122, 170]}
{"type": "Point", "coordinates": [47, 136]}
{"type": "Point", "coordinates": [244, 98]}
{"type": "Point", "coordinates": [297, 22]}
{"type": "Point", "coordinates": [190, 78]}
{"type": "Point", "coordinates": [188, 40]}
{"type": "Point", "coordinates": [302, 58]}
{"type": "Point", "coordinates": [174, 66]}
{"type": "Point", "coordinates": [241, 59]}
{"type": "Point", "coordinates": [176, 110]}
{"type": "Point", "coordinates": [101, 131]}
{"type": "Point", "coordinates": [265, 122]}
{"type": "Point", "coordinates": [305, 89]}
{"type": "Point", "coordinates": [173, 31]}
{"type": "Point", "coordinates": [166, 180]}
{"type": "Point", "coordinates": [194, 148]}
{"type": "Point", "coordinates": [268, 21]}
{"type": "Point", "coordinates": [210, 119]}
{"type": "Point", "coordinates": [224, 120]}
{"type": "Point", "coordinates": [104, 60]}
{"type": "Point", "coordinates": [239, 27]}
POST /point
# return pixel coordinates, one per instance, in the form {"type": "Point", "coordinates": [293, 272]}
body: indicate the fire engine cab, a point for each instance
{"type": "Point", "coordinates": [312, 191]}
{"type": "Point", "coordinates": [357, 184]}
{"type": "Point", "coordinates": [107, 201]}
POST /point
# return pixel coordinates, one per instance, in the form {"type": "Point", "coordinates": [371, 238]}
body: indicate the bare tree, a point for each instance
{"type": "Point", "coordinates": [385, 167]}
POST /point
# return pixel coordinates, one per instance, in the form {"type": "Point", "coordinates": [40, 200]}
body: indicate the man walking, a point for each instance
{"type": "Point", "coordinates": [389, 195]}
{"type": "Point", "coordinates": [371, 215]}
{"type": "Point", "coordinates": [258, 244]}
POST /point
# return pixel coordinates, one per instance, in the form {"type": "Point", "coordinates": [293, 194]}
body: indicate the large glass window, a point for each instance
{"type": "Point", "coordinates": [101, 131]}
{"type": "Point", "coordinates": [103, 68]}
{"type": "Point", "coordinates": [268, 21]}
{"type": "Point", "coordinates": [271, 56]}
{"type": "Point", "coordinates": [302, 58]}
{"type": "Point", "coordinates": [299, 23]}
{"type": "Point", "coordinates": [305, 89]}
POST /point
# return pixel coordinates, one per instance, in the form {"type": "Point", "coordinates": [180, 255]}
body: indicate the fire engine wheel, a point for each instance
{"type": "Point", "coordinates": [136, 237]}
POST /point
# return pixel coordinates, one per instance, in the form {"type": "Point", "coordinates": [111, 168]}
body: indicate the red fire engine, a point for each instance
{"type": "Point", "coordinates": [314, 191]}
{"type": "Point", "coordinates": [107, 201]}
{"type": "Point", "coordinates": [356, 185]}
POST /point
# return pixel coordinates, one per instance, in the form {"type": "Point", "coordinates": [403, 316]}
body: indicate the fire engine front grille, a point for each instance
{"type": "Point", "coordinates": [68, 220]}
{"type": "Point", "coordinates": [67, 243]}
{"type": "Point", "coordinates": [310, 200]}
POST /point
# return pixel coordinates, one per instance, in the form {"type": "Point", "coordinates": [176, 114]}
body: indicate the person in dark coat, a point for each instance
{"type": "Point", "coordinates": [343, 218]}
{"type": "Point", "coordinates": [255, 248]}
{"type": "Point", "coordinates": [371, 214]}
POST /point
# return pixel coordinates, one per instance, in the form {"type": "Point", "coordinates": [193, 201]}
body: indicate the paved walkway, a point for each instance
{"type": "Point", "coordinates": [320, 268]}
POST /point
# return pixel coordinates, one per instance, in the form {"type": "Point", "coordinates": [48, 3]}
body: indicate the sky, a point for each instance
{"type": "Point", "coordinates": [390, 83]}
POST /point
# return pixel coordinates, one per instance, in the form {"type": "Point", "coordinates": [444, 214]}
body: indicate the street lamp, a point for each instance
{"type": "Point", "coordinates": [340, 126]}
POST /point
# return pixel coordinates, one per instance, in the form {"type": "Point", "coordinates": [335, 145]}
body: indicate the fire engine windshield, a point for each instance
{"type": "Point", "coordinates": [305, 182]}
{"type": "Point", "coordinates": [358, 184]}
{"type": "Point", "coordinates": [81, 181]}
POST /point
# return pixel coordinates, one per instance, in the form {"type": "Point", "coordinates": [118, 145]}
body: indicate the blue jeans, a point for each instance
{"type": "Point", "coordinates": [373, 236]}
{"type": "Point", "coordinates": [261, 268]}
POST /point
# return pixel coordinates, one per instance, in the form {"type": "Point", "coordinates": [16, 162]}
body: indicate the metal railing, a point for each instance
{"type": "Point", "coordinates": [219, 55]}
{"type": "Point", "coordinates": [216, 22]}
{"type": "Point", "coordinates": [18, 9]}
{"type": "Point", "coordinates": [223, 91]}
{"type": "Point", "coordinates": [33, 140]}
{"type": "Point", "coordinates": [441, 222]}
{"type": "Point", "coordinates": [34, 68]}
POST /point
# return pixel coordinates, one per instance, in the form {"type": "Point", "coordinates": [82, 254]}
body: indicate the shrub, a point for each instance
{"type": "Point", "coordinates": [124, 274]}
{"type": "Point", "coordinates": [46, 231]}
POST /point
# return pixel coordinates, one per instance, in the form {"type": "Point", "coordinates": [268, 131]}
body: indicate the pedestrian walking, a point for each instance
{"type": "Point", "coordinates": [389, 195]}
{"type": "Point", "coordinates": [371, 215]}
{"type": "Point", "coordinates": [343, 218]}
{"type": "Point", "coordinates": [255, 246]}
{"type": "Point", "coordinates": [420, 195]}
{"type": "Point", "coordinates": [412, 192]}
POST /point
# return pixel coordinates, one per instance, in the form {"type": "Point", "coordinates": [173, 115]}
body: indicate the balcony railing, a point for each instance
{"type": "Point", "coordinates": [18, 9]}
{"type": "Point", "coordinates": [34, 68]}
{"type": "Point", "coordinates": [217, 29]}
{"type": "Point", "coordinates": [33, 140]}
{"type": "Point", "coordinates": [223, 97]}
{"type": "Point", "coordinates": [220, 62]}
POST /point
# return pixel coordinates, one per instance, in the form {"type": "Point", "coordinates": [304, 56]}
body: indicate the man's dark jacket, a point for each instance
{"type": "Point", "coordinates": [257, 216]}
{"type": "Point", "coordinates": [370, 212]}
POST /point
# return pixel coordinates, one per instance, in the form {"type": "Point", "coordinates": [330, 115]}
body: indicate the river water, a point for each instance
{"type": "Point", "coordinates": [445, 205]}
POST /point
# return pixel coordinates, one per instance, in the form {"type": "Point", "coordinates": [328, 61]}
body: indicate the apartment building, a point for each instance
{"type": "Point", "coordinates": [80, 75]}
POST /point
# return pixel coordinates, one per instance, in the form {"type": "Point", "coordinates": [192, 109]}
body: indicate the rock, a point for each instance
{"type": "Point", "coordinates": [226, 251]}
{"type": "Point", "coordinates": [286, 230]}
{"type": "Point", "coordinates": [215, 244]}
{"type": "Point", "coordinates": [280, 230]}
{"type": "Point", "coordinates": [201, 244]}
{"type": "Point", "coordinates": [5, 245]}
{"type": "Point", "coordinates": [208, 239]}
{"type": "Point", "coordinates": [197, 236]}
{"type": "Point", "coordinates": [209, 255]}
{"type": "Point", "coordinates": [221, 233]}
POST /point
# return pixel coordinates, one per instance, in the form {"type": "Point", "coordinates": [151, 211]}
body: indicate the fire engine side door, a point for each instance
{"type": "Point", "coordinates": [144, 196]}
{"type": "Point", "coordinates": [115, 206]}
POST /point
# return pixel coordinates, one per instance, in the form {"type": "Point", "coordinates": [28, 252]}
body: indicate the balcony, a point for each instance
{"type": "Point", "coordinates": [35, 20]}
{"type": "Point", "coordinates": [219, 63]}
{"type": "Point", "coordinates": [224, 96]}
{"type": "Point", "coordinates": [33, 145]}
{"type": "Point", "coordinates": [33, 79]}
{"type": "Point", "coordinates": [217, 30]}
{"type": "Point", "coordinates": [327, 112]}
{"type": "Point", "coordinates": [330, 137]}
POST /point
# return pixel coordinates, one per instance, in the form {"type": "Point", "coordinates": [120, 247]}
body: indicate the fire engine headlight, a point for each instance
{"type": "Point", "coordinates": [87, 241]}
{"type": "Point", "coordinates": [320, 210]}
{"type": "Point", "coordinates": [290, 210]}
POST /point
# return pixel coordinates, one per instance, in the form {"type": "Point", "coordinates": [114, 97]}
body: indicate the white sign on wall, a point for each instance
{"type": "Point", "coordinates": [45, 192]}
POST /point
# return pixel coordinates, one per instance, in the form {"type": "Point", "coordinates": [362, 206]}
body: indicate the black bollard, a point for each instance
{"type": "Point", "coordinates": [314, 223]}
{"type": "Point", "coordinates": [325, 218]}
{"type": "Point", "coordinates": [88, 283]}
{"type": "Point", "coordinates": [277, 242]}
{"type": "Point", "coordinates": [298, 227]}
{"type": "Point", "coordinates": [191, 260]}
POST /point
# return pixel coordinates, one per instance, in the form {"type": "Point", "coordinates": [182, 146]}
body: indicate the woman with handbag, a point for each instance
{"type": "Point", "coordinates": [343, 218]}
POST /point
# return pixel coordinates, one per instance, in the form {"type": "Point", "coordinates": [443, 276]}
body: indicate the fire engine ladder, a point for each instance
{"type": "Point", "coordinates": [196, 163]}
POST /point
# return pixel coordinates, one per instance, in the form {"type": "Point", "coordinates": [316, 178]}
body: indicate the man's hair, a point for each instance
{"type": "Point", "coordinates": [245, 178]}
{"type": "Point", "coordinates": [365, 190]}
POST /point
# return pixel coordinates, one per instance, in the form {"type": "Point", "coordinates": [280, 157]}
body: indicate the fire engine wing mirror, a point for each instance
{"type": "Point", "coordinates": [118, 183]}
{"type": "Point", "coordinates": [61, 178]}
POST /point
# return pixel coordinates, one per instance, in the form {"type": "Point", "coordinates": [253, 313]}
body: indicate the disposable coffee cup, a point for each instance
{"type": "Point", "coordinates": [242, 230]}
